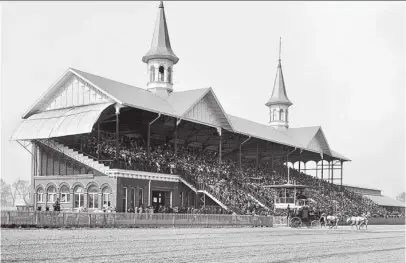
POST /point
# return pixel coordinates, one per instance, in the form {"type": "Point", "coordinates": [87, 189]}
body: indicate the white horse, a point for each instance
{"type": "Point", "coordinates": [358, 221]}
{"type": "Point", "coordinates": [332, 221]}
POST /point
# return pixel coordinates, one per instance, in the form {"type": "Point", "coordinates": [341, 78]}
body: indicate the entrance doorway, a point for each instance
{"type": "Point", "coordinates": [160, 198]}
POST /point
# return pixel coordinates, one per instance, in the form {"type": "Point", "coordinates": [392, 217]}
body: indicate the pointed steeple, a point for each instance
{"type": "Point", "coordinates": [279, 103]}
{"type": "Point", "coordinates": [160, 45]}
{"type": "Point", "coordinates": [279, 95]}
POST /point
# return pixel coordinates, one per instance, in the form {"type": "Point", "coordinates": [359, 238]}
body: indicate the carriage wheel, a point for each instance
{"type": "Point", "coordinates": [295, 222]}
{"type": "Point", "coordinates": [316, 224]}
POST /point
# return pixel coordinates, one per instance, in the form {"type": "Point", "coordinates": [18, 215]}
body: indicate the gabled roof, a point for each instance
{"type": "Point", "coordinates": [279, 95]}
{"type": "Point", "coordinates": [184, 100]}
{"type": "Point", "coordinates": [262, 131]}
{"type": "Point", "coordinates": [178, 104]}
{"type": "Point", "coordinates": [129, 95]}
{"type": "Point", "coordinates": [160, 45]}
{"type": "Point", "coordinates": [312, 138]}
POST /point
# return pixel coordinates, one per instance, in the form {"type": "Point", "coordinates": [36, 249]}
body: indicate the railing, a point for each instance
{"type": "Point", "coordinates": [71, 219]}
{"type": "Point", "coordinates": [284, 200]}
{"type": "Point", "coordinates": [53, 145]}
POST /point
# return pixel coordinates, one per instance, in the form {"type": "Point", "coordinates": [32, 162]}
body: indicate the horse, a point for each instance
{"type": "Point", "coordinates": [332, 221]}
{"type": "Point", "coordinates": [358, 221]}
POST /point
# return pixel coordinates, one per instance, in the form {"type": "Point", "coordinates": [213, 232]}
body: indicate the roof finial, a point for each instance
{"type": "Point", "coordinates": [161, 4]}
{"type": "Point", "coordinates": [280, 47]}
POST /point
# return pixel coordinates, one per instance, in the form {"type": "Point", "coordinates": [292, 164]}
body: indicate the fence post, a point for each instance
{"type": "Point", "coordinates": [90, 219]}
{"type": "Point", "coordinates": [114, 219]}
{"type": "Point", "coordinates": [173, 221]}
{"type": "Point", "coordinates": [63, 219]}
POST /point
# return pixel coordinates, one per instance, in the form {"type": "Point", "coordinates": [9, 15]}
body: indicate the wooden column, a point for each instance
{"type": "Point", "coordinates": [98, 141]}
{"type": "Point", "coordinates": [322, 168]}
{"type": "Point", "coordinates": [117, 134]}
{"type": "Point", "coordinates": [257, 160]}
{"type": "Point", "coordinates": [220, 142]}
{"type": "Point", "coordinates": [332, 172]}
{"type": "Point", "coordinates": [175, 137]}
{"type": "Point", "coordinates": [342, 173]}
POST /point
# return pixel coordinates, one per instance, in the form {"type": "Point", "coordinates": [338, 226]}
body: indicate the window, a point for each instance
{"type": "Point", "coordinates": [281, 116]}
{"type": "Point", "coordinates": [51, 194]}
{"type": "Point", "coordinates": [106, 197]}
{"type": "Point", "coordinates": [79, 197]}
{"type": "Point", "coordinates": [93, 197]}
{"type": "Point", "coordinates": [161, 71]}
{"type": "Point", "coordinates": [133, 197]}
{"type": "Point", "coordinates": [40, 195]}
{"type": "Point", "coordinates": [275, 115]}
{"type": "Point", "coordinates": [170, 75]}
{"type": "Point", "coordinates": [140, 196]}
{"type": "Point", "coordinates": [65, 195]}
{"type": "Point", "coordinates": [124, 199]}
{"type": "Point", "coordinates": [152, 74]}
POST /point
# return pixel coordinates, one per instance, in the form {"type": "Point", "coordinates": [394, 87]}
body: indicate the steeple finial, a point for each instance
{"type": "Point", "coordinates": [161, 4]}
{"type": "Point", "coordinates": [280, 48]}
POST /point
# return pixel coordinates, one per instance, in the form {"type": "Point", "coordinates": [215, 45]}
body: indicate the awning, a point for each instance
{"type": "Point", "coordinates": [62, 122]}
{"type": "Point", "coordinates": [385, 201]}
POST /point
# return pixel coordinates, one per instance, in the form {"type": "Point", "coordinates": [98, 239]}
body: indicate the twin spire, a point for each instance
{"type": "Point", "coordinates": [279, 95]}
{"type": "Point", "coordinates": [160, 44]}
{"type": "Point", "coordinates": [160, 60]}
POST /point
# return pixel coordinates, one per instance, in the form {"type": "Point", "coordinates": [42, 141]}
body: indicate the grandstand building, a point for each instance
{"type": "Point", "coordinates": [82, 113]}
{"type": "Point", "coordinates": [375, 195]}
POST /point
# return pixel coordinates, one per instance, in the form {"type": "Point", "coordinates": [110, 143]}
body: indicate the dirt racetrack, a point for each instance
{"type": "Point", "coordinates": [377, 244]}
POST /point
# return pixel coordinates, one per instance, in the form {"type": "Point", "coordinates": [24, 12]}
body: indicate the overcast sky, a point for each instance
{"type": "Point", "coordinates": [343, 64]}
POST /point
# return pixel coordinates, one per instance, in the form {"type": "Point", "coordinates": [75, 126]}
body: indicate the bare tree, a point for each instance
{"type": "Point", "coordinates": [5, 194]}
{"type": "Point", "coordinates": [22, 188]}
{"type": "Point", "coordinates": [401, 197]}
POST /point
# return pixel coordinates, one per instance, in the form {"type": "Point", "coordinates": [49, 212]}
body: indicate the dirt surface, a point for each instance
{"type": "Point", "coordinates": [377, 244]}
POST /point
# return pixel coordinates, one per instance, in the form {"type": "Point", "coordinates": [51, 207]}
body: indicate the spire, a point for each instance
{"type": "Point", "coordinates": [279, 95]}
{"type": "Point", "coordinates": [160, 45]}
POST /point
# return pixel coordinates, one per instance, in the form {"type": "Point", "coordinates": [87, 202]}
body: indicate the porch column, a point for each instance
{"type": "Point", "coordinates": [72, 202]}
{"type": "Point", "coordinates": [98, 141]}
{"type": "Point", "coordinates": [322, 167]}
{"type": "Point", "coordinates": [117, 132]}
{"type": "Point", "coordinates": [34, 202]}
{"type": "Point", "coordinates": [85, 198]}
{"type": "Point", "coordinates": [175, 136]}
{"type": "Point", "coordinates": [149, 133]}
{"type": "Point", "coordinates": [332, 172]}
{"type": "Point", "coordinates": [317, 169]}
{"type": "Point", "coordinates": [299, 165]}
{"type": "Point", "coordinates": [39, 163]}
{"type": "Point", "coordinates": [219, 132]}
{"type": "Point", "coordinates": [100, 199]}
{"type": "Point", "coordinates": [149, 193]}
{"type": "Point", "coordinates": [257, 157]}
{"type": "Point", "coordinates": [342, 172]}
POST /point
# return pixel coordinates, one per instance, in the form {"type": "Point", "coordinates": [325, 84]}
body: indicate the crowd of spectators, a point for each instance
{"type": "Point", "coordinates": [238, 186]}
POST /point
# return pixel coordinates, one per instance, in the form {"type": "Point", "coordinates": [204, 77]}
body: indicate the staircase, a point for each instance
{"type": "Point", "coordinates": [75, 155]}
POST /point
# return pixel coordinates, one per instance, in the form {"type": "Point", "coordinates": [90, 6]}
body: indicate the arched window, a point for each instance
{"type": "Point", "coordinates": [275, 114]}
{"type": "Point", "coordinates": [51, 194]}
{"type": "Point", "coordinates": [170, 75]}
{"type": "Point", "coordinates": [40, 195]}
{"type": "Point", "coordinates": [152, 74]}
{"type": "Point", "coordinates": [93, 197]}
{"type": "Point", "coordinates": [79, 197]}
{"type": "Point", "coordinates": [161, 72]}
{"type": "Point", "coordinates": [281, 116]}
{"type": "Point", "coordinates": [65, 195]}
{"type": "Point", "coordinates": [106, 197]}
